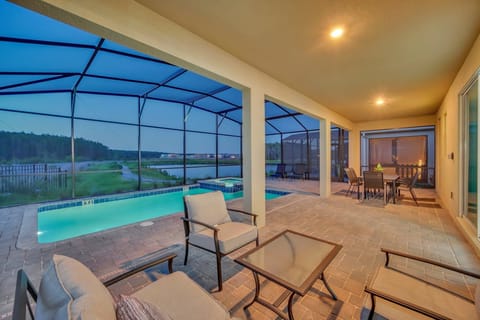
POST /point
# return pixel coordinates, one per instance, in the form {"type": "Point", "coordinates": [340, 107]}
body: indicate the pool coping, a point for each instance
{"type": "Point", "coordinates": [27, 236]}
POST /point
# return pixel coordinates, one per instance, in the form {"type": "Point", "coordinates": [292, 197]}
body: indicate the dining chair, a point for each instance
{"type": "Point", "coordinates": [353, 180]}
{"type": "Point", "coordinates": [408, 184]}
{"type": "Point", "coordinates": [373, 183]}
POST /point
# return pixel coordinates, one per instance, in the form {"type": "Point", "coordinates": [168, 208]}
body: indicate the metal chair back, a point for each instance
{"type": "Point", "coordinates": [373, 180]}
{"type": "Point", "coordinates": [348, 172]}
{"type": "Point", "coordinates": [299, 168]}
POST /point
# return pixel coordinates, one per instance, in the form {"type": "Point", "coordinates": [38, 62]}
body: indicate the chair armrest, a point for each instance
{"type": "Point", "coordinates": [406, 304]}
{"type": "Point", "coordinates": [209, 226]}
{"type": "Point", "coordinates": [22, 303]}
{"type": "Point", "coordinates": [428, 261]}
{"type": "Point", "coordinates": [168, 257]}
{"type": "Point", "coordinates": [246, 213]}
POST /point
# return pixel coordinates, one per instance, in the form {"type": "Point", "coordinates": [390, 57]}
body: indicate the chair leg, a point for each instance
{"type": "Point", "coordinates": [219, 271]}
{"type": "Point", "coordinates": [372, 309]}
{"type": "Point", "coordinates": [348, 190]}
{"type": "Point", "coordinates": [414, 196]}
{"type": "Point", "coordinates": [186, 253]}
{"type": "Point", "coordinates": [257, 242]}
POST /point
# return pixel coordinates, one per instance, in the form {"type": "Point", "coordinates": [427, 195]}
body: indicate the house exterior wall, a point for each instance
{"type": "Point", "coordinates": [449, 140]}
{"type": "Point", "coordinates": [422, 121]}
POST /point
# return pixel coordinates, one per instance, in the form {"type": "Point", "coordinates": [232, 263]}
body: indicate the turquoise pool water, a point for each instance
{"type": "Point", "coordinates": [228, 182]}
{"type": "Point", "coordinates": [60, 224]}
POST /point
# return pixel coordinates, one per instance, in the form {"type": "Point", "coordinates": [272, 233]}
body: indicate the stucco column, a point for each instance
{"type": "Point", "coordinates": [253, 144]}
{"type": "Point", "coordinates": [354, 150]}
{"type": "Point", "coordinates": [325, 155]}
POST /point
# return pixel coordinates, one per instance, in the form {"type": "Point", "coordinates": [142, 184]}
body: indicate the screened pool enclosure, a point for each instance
{"type": "Point", "coordinates": [81, 115]}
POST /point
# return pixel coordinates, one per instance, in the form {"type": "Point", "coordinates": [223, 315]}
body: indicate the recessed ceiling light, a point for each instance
{"type": "Point", "coordinates": [380, 102]}
{"type": "Point", "coordinates": [336, 33]}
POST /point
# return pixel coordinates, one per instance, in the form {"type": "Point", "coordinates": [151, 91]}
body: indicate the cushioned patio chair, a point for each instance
{"type": "Point", "coordinates": [208, 226]}
{"type": "Point", "coordinates": [353, 180]}
{"type": "Point", "coordinates": [69, 290]}
{"type": "Point", "coordinates": [407, 184]}
{"type": "Point", "coordinates": [395, 294]}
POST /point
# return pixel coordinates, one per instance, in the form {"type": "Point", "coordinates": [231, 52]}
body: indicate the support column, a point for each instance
{"type": "Point", "coordinates": [354, 158]}
{"type": "Point", "coordinates": [73, 98]}
{"type": "Point", "coordinates": [253, 148]}
{"type": "Point", "coordinates": [325, 158]}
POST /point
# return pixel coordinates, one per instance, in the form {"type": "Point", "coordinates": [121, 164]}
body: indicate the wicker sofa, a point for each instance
{"type": "Point", "coordinates": [69, 290]}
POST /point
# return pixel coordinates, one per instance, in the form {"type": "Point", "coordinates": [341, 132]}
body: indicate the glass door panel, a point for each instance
{"type": "Point", "coordinates": [472, 152]}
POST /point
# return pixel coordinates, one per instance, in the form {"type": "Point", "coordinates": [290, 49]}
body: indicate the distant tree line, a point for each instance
{"type": "Point", "coordinates": [20, 147]}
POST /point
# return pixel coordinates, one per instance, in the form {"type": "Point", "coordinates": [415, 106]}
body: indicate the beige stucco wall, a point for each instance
{"type": "Point", "coordinates": [449, 177]}
{"type": "Point", "coordinates": [428, 120]}
{"type": "Point", "coordinates": [396, 123]}
{"type": "Point", "coordinates": [448, 169]}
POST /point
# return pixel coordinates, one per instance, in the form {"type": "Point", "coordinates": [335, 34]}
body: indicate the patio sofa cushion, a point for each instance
{"type": "Point", "coordinates": [202, 210]}
{"type": "Point", "coordinates": [69, 290]}
{"type": "Point", "coordinates": [231, 236]}
{"type": "Point", "coordinates": [422, 293]}
{"type": "Point", "coordinates": [181, 298]}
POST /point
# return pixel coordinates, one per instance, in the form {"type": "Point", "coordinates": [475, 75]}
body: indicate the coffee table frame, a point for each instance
{"type": "Point", "coordinates": [291, 289]}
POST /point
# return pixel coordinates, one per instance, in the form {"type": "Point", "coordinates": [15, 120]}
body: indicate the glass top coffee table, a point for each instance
{"type": "Point", "coordinates": [292, 260]}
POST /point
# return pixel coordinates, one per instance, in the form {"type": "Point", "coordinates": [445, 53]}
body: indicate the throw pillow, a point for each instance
{"type": "Point", "coordinates": [131, 308]}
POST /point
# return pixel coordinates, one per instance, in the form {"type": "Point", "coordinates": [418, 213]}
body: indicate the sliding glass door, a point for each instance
{"type": "Point", "coordinates": [470, 100]}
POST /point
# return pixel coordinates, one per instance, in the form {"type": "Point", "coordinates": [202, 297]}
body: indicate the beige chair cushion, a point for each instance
{"type": "Point", "coordinates": [421, 293]}
{"type": "Point", "coordinates": [232, 235]}
{"type": "Point", "coordinates": [69, 290]}
{"type": "Point", "coordinates": [182, 299]}
{"type": "Point", "coordinates": [209, 208]}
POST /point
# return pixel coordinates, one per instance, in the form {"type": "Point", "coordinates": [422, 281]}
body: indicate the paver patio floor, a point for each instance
{"type": "Point", "coordinates": [362, 227]}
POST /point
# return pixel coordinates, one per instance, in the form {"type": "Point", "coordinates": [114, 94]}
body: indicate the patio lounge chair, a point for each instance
{"type": "Point", "coordinates": [281, 171]}
{"type": "Point", "coordinates": [208, 226]}
{"type": "Point", "coordinates": [69, 290]}
{"type": "Point", "coordinates": [299, 170]}
{"type": "Point", "coordinates": [353, 181]}
{"type": "Point", "coordinates": [408, 184]}
{"type": "Point", "coordinates": [395, 294]}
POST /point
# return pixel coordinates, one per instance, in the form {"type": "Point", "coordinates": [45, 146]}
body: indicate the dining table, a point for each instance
{"type": "Point", "coordinates": [388, 178]}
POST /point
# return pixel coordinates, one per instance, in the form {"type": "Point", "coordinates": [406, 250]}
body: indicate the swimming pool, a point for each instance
{"type": "Point", "coordinates": [73, 219]}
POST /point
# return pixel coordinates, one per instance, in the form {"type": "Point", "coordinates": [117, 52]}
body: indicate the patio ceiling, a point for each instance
{"type": "Point", "coordinates": [405, 51]}
{"type": "Point", "coordinates": [41, 55]}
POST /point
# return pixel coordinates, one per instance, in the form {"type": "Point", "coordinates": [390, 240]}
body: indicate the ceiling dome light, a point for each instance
{"type": "Point", "coordinates": [336, 33]}
{"type": "Point", "coordinates": [380, 102]}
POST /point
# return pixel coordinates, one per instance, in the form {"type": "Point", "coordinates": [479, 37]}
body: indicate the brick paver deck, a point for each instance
{"type": "Point", "coordinates": [362, 227]}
